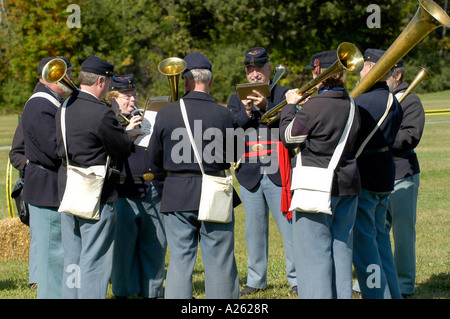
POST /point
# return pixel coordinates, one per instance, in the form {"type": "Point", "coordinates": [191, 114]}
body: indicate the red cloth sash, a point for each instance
{"type": "Point", "coordinates": [285, 172]}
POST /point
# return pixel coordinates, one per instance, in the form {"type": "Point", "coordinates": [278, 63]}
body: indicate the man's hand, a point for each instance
{"type": "Point", "coordinates": [258, 100]}
{"type": "Point", "coordinates": [135, 122]}
{"type": "Point", "coordinates": [292, 97]}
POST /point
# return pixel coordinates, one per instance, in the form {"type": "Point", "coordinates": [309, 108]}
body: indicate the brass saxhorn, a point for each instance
{"type": "Point", "coordinates": [280, 73]}
{"type": "Point", "coordinates": [422, 75]}
{"type": "Point", "coordinates": [428, 17]}
{"type": "Point", "coordinates": [172, 68]}
{"type": "Point", "coordinates": [56, 71]}
{"type": "Point", "coordinates": [348, 58]}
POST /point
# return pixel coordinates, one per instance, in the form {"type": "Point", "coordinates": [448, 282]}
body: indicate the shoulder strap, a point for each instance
{"type": "Point", "coordinates": [46, 96]}
{"type": "Point", "coordinates": [342, 141]}
{"type": "Point", "coordinates": [63, 132]}
{"type": "Point", "coordinates": [191, 138]}
{"type": "Point", "coordinates": [399, 94]}
{"type": "Point", "coordinates": [63, 127]}
{"type": "Point", "coordinates": [388, 107]}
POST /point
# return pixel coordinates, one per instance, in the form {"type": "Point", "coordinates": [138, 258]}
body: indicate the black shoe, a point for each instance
{"type": "Point", "coordinates": [248, 290]}
{"type": "Point", "coordinates": [294, 291]}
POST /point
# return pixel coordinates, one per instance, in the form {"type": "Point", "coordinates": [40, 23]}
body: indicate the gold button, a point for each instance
{"type": "Point", "coordinates": [148, 176]}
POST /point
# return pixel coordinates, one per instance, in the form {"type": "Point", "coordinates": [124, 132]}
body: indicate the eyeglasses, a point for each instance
{"type": "Point", "coordinates": [128, 97]}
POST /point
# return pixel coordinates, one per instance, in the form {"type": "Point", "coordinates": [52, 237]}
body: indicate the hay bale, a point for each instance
{"type": "Point", "coordinates": [14, 239]}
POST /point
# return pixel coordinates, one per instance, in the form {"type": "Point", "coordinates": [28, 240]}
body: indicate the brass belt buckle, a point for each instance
{"type": "Point", "coordinates": [148, 176]}
{"type": "Point", "coordinates": [257, 147]}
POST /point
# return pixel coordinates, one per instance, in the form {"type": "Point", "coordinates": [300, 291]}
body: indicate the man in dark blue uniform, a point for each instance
{"type": "Point", "coordinates": [170, 149]}
{"type": "Point", "coordinates": [258, 174]}
{"type": "Point", "coordinates": [140, 242]}
{"type": "Point", "coordinates": [402, 208]}
{"type": "Point", "coordinates": [41, 189]}
{"type": "Point", "coordinates": [372, 254]}
{"type": "Point", "coordinates": [93, 134]}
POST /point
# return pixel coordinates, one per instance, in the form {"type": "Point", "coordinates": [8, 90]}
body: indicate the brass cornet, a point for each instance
{"type": "Point", "coordinates": [422, 75]}
{"type": "Point", "coordinates": [348, 58]}
{"type": "Point", "coordinates": [280, 73]}
{"type": "Point", "coordinates": [56, 71]}
{"type": "Point", "coordinates": [172, 68]}
{"type": "Point", "coordinates": [428, 17]}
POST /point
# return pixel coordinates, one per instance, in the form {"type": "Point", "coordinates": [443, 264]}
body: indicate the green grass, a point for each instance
{"type": "Point", "coordinates": [436, 100]}
{"type": "Point", "coordinates": [433, 223]}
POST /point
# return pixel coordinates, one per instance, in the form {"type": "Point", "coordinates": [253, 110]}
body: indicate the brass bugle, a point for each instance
{"type": "Point", "coordinates": [282, 104]}
{"type": "Point", "coordinates": [56, 71]}
{"type": "Point", "coordinates": [280, 73]}
{"type": "Point", "coordinates": [428, 17]}
{"type": "Point", "coordinates": [348, 58]}
{"type": "Point", "coordinates": [421, 75]}
{"type": "Point", "coordinates": [172, 68]}
{"type": "Point", "coordinates": [123, 120]}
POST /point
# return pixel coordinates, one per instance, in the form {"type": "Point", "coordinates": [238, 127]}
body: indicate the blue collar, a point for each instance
{"type": "Point", "coordinates": [328, 88]}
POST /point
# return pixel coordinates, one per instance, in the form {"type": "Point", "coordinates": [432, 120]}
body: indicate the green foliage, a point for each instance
{"type": "Point", "coordinates": [136, 35]}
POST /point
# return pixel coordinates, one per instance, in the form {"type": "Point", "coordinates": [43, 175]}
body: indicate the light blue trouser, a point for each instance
{"type": "Point", "coordinates": [46, 224]}
{"type": "Point", "coordinates": [184, 233]}
{"type": "Point", "coordinates": [402, 212]}
{"type": "Point", "coordinates": [372, 253]}
{"type": "Point", "coordinates": [88, 247]}
{"type": "Point", "coordinates": [32, 266]}
{"type": "Point", "coordinates": [139, 247]}
{"type": "Point", "coordinates": [257, 203]}
{"type": "Point", "coordinates": [323, 247]}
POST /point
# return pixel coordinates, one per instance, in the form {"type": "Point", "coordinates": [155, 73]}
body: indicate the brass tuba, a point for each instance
{"type": "Point", "coordinates": [421, 75]}
{"type": "Point", "coordinates": [56, 71]}
{"type": "Point", "coordinates": [348, 58]}
{"type": "Point", "coordinates": [172, 68]}
{"type": "Point", "coordinates": [428, 17]}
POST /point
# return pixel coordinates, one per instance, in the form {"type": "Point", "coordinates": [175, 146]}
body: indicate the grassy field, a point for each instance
{"type": "Point", "coordinates": [433, 222]}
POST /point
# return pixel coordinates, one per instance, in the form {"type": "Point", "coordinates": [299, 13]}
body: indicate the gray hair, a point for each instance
{"type": "Point", "coordinates": [397, 71]}
{"type": "Point", "coordinates": [199, 75]}
{"type": "Point", "coordinates": [88, 79]}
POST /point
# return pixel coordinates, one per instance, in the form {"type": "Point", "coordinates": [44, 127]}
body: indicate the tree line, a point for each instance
{"type": "Point", "coordinates": [135, 35]}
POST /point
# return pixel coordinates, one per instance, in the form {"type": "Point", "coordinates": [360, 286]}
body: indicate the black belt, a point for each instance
{"type": "Point", "coordinates": [72, 163]}
{"type": "Point", "coordinates": [376, 150]}
{"type": "Point", "coordinates": [144, 177]}
{"type": "Point", "coordinates": [194, 174]}
{"type": "Point", "coordinates": [405, 155]}
{"type": "Point", "coordinates": [41, 167]}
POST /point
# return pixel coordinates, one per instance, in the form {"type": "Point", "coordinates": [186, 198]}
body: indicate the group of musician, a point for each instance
{"type": "Point", "coordinates": [150, 200]}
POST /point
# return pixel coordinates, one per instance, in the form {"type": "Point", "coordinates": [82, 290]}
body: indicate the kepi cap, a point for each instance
{"type": "Point", "coordinates": [196, 61]}
{"type": "Point", "coordinates": [122, 83]}
{"type": "Point", "coordinates": [94, 64]}
{"type": "Point", "coordinates": [256, 57]}
{"type": "Point", "coordinates": [322, 60]}
{"type": "Point", "coordinates": [373, 55]}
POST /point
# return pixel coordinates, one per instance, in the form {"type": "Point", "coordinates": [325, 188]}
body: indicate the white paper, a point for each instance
{"type": "Point", "coordinates": [148, 122]}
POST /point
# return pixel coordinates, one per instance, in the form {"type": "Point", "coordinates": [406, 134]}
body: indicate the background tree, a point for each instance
{"type": "Point", "coordinates": [136, 35]}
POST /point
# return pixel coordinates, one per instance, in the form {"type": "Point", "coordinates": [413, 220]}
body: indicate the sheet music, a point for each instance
{"type": "Point", "coordinates": [148, 122]}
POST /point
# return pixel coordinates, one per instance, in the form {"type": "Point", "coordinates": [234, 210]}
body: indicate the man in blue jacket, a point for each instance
{"type": "Point", "coordinates": [41, 189]}
{"type": "Point", "coordinates": [258, 174]}
{"type": "Point", "coordinates": [171, 150]}
{"type": "Point", "coordinates": [372, 254]}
